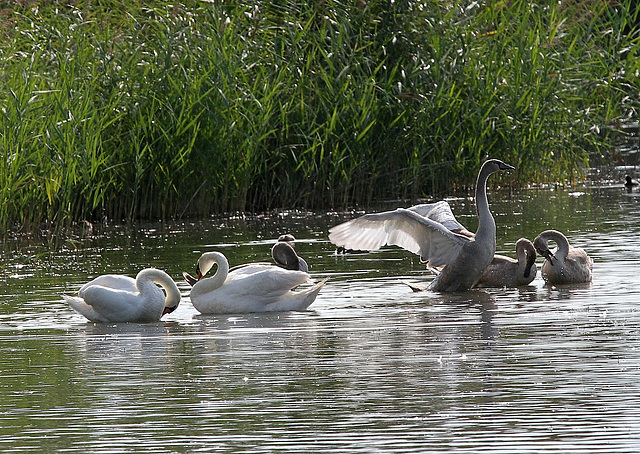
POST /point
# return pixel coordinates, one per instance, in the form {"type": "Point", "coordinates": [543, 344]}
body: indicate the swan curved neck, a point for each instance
{"type": "Point", "coordinates": [205, 263]}
{"type": "Point", "coordinates": [560, 240]}
{"type": "Point", "coordinates": [152, 276]}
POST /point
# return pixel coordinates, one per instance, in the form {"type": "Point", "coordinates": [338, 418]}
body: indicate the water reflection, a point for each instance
{"type": "Point", "coordinates": [370, 367]}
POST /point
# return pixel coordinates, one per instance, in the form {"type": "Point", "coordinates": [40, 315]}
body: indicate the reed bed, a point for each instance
{"type": "Point", "coordinates": [159, 109]}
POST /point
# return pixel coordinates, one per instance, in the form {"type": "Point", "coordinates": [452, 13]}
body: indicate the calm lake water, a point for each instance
{"type": "Point", "coordinates": [371, 367]}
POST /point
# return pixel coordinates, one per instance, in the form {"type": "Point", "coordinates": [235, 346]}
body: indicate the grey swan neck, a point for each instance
{"type": "Point", "coordinates": [561, 241]}
{"type": "Point", "coordinates": [486, 224]}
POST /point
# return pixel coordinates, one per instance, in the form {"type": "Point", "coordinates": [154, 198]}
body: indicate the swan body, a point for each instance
{"type": "Point", "coordinates": [507, 272]}
{"type": "Point", "coordinates": [565, 265]}
{"type": "Point", "coordinates": [114, 298]}
{"type": "Point", "coordinates": [434, 235]}
{"type": "Point", "coordinates": [255, 287]}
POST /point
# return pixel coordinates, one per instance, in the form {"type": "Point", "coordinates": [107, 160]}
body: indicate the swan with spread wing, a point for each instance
{"type": "Point", "coordinates": [432, 232]}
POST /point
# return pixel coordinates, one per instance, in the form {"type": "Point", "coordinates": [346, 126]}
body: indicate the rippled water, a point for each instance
{"type": "Point", "coordinates": [371, 367]}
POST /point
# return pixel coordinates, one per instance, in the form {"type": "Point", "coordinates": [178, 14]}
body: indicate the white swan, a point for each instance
{"type": "Point", "coordinates": [504, 271]}
{"type": "Point", "coordinates": [567, 264]}
{"type": "Point", "coordinates": [441, 243]}
{"type": "Point", "coordinates": [256, 287]}
{"type": "Point", "coordinates": [115, 298]}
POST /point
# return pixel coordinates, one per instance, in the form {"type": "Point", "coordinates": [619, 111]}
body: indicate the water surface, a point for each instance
{"type": "Point", "coordinates": [371, 367]}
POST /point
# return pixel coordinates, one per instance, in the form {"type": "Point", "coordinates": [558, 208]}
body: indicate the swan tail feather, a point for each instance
{"type": "Point", "coordinates": [77, 304]}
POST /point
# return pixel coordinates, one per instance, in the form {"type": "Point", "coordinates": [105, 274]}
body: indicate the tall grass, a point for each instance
{"type": "Point", "coordinates": [162, 109]}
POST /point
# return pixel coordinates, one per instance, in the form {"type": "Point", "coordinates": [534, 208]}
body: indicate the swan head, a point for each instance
{"type": "Point", "coordinates": [206, 262]}
{"type": "Point", "coordinates": [285, 256]}
{"type": "Point", "coordinates": [287, 238]}
{"type": "Point", "coordinates": [544, 251]}
{"type": "Point", "coordinates": [170, 306]}
{"type": "Point", "coordinates": [496, 165]}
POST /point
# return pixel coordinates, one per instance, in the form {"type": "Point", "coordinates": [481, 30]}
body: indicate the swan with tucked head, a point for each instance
{"type": "Point", "coordinates": [504, 271]}
{"type": "Point", "coordinates": [441, 243]}
{"type": "Point", "coordinates": [565, 265]}
{"type": "Point", "coordinates": [256, 287]}
{"type": "Point", "coordinates": [115, 298]}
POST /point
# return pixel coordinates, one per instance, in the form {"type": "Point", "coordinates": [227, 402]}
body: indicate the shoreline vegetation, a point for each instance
{"type": "Point", "coordinates": [163, 110]}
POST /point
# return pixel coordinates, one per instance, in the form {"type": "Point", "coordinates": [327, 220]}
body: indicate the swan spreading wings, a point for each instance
{"type": "Point", "coordinates": [432, 232]}
{"type": "Point", "coordinates": [429, 230]}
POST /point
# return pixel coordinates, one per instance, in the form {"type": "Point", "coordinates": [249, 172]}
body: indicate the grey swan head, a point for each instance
{"type": "Point", "coordinates": [432, 232]}
{"type": "Point", "coordinates": [508, 272]}
{"type": "Point", "coordinates": [565, 265]}
{"type": "Point", "coordinates": [285, 256]}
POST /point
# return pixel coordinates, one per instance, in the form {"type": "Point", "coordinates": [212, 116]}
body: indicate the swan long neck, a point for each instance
{"type": "Point", "coordinates": [205, 263]}
{"type": "Point", "coordinates": [152, 276]}
{"type": "Point", "coordinates": [486, 223]}
{"type": "Point", "coordinates": [526, 254]}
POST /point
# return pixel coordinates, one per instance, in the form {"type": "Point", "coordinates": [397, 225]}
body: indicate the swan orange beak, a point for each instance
{"type": "Point", "coordinates": [168, 310]}
{"type": "Point", "coordinates": [199, 273]}
{"type": "Point", "coordinates": [189, 278]}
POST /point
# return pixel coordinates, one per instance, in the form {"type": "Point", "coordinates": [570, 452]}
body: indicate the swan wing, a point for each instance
{"type": "Point", "coordinates": [114, 281]}
{"type": "Point", "coordinates": [264, 280]}
{"type": "Point", "coordinates": [439, 212]}
{"type": "Point", "coordinates": [118, 305]}
{"type": "Point", "coordinates": [429, 239]}
{"type": "Point", "coordinates": [78, 304]}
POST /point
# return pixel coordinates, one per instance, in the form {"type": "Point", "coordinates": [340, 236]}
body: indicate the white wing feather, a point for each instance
{"type": "Point", "coordinates": [431, 240]}
{"type": "Point", "coordinates": [439, 212]}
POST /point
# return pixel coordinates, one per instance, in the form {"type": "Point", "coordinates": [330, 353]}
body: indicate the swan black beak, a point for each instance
{"type": "Point", "coordinates": [531, 259]}
{"type": "Point", "coordinates": [505, 166]}
{"type": "Point", "coordinates": [547, 255]}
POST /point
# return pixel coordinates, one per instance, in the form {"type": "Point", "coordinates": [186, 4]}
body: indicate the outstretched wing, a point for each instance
{"type": "Point", "coordinates": [441, 213]}
{"type": "Point", "coordinates": [431, 240]}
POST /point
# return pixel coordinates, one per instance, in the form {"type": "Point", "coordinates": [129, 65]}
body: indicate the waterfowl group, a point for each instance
{"type": "Point", "coordinates": [432, 233]}
{"type": "Point", "coordinates": [252, 287]}
{"type": "Point", "coordinates": [460, 259]}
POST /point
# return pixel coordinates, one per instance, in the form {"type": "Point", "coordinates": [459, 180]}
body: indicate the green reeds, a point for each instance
{"type": "Point", "coordinates": [163, 109]}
